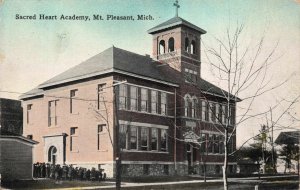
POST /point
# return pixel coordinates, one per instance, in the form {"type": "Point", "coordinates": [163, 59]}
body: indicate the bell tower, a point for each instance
{"type": "Point", "coordinates": [177, 43]}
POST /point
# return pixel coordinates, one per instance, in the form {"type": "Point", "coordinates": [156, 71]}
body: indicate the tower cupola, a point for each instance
{"type": "Point", "coordinates": [177, 42]}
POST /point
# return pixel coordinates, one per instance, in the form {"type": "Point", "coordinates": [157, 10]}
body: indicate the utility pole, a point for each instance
{"type": "Point", "coordinates": [117, 149]}
{"type": "Point", "coordinates": [175, 134]}
{"type": "Point", "coordinates": [272, 142]}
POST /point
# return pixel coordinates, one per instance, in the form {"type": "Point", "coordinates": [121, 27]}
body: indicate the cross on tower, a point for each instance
{"type": "Point", "coordinates": [177, 7]}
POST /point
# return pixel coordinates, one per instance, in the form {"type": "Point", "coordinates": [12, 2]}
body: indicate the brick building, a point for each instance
{"type": "Point", "coordinates": [162, 104]}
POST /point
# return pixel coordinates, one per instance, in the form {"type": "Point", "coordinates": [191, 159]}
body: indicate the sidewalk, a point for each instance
{"type": "Point", "coordinates": [220, 180]}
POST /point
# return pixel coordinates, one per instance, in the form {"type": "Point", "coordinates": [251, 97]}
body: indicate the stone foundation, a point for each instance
{"type": "Point", "coordinates": [143, 170]}
{"type": "Point", "coordinates": [159, 169]}
{"type": "Point", "coordinates": [212, 169]}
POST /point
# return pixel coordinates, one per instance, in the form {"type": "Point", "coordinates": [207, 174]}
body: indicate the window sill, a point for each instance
{"type": "Point", "coordinates": [198, 119]}
{"type": "Point", "coordinates": [214, 154]}
{"type": "Point", "coordinates": [74, 151]}
{"type": "Point", "coordinates": [53, 126]}
{"type": "Point", "coordinates": [102, 150]}
{"type": "Point", "coordinates": [142, 112]}
{"type": "Point", "coordinates": [146, 151]}
{"type": "Point", "coordinates": [75, 113]}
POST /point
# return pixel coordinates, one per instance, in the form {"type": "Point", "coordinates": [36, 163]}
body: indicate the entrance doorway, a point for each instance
{"type": "Point", "coordinates": [52, 155]}
{"type": "Point", "coordinates": [189, 154]}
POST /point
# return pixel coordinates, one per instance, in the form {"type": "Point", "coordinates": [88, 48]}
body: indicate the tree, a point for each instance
{"type": "Point", "coordinates": [289, 140]}
{"type": "Point", "coordinates": [243, 72]}
{"type": "Point", "coordinates": [267, 157]}
{"type": "Point", "coordinates": [289, 152]}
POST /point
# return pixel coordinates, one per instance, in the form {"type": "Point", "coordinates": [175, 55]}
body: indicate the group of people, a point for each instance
{"type": "Point", "coordinates": [66, 172]}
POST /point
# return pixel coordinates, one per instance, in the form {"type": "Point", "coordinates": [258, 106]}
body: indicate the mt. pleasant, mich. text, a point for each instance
{"type": "Point", "coordinates": [83, 17]}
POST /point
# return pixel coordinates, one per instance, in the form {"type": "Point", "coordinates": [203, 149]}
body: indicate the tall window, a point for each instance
{"type": "Point", "coordinates": [133, 137]}
{"type": "Point", "coordinates": [29, 107]}
{"type": "Point", "coordinates": [122, 96]}
{"type": "Point", "coordinates": [52, 117]}
{"type": "Point", "coordinates": [154, 101]}
{"type": "Point", "coordinates": [101, 96]}
{"type": "Point", "coordinates": [163, 103]}
{"type": "Point", "coordinates": [205, 110]}
{"type": "Point", "coordinates": [186, 47]}
{"type": "Point", "coordinates": [171, 44]}
{"type": "Point", "coordinates": [144, 99]}
{"type": "Point", "coordinates": [194, 104]}
{"type": "Point", "coordinates": [221, 146]}
{"type": "Point", "coordinates": [163, 140]}
{"type": "Point", "coordinates": [193, 47]}
{"type": "Point", "coordinates": [224, 110]}
{"type": "Point", "coordinates": [212, 112]}
{"type": "Point", "coordinates": [99, 134]}
{"type": "Point", "coordinates": [154, 137]}
{"type": "Point", "coordinates": [230, 146]}
{"type": "Point", "coordinates": [216, 143]}
{"type": "Point", "coordinates": [210, 144]}
{"type": "Point", "coordinates": [73, 94]}
{"type": "Point", "coordinates": [219, 113]}
{"type": "Point", "coordinates": [73, 139]}
{"type": "Point", "coordinates": [186, 107]}
{"type": "Point", "coordinates": [144, 138]}
{"type": "Point", "coordinates": [161, 47]}
{"type": "Point", "coordinates": [231, 115]}
{"type": "Point", "coordinates": [123, 136]}
{"type": "Point", "coordinates": [133, 98]}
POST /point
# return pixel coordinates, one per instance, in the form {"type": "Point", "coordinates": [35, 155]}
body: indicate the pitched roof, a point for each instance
{"type": "Point", "coordinates": [111, 60]}
{"type": "Point", "coordinates": [290, 137]}
{"type": "Point", "coordinates": [173, 22]}
{"type": "Point", "coordinates": [208, 88]}
{"type": "Point", "coordinates": [121, 61]}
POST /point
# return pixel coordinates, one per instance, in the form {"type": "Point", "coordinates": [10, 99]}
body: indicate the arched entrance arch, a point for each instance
{"type": "Point", "coordinates": [52, 155]}
{"type": "Point", "coordinates": [55, 148]}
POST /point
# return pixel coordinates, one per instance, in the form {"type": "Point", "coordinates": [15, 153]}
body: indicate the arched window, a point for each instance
{"type": "Point", "coordinates": [193, 47]}
{"type": "Point", "coordinates": [161, 47]}
{"type": "Point", "coordinates": [194, 105]}
{"type": "Point", "coordinates": [171, 44]}
{"type": "Point", "coordinates": [186, 45]}
{"type": "Point", "coordinates": [52, 154]}
{"type": "Point", "coordinates": [187, 105]}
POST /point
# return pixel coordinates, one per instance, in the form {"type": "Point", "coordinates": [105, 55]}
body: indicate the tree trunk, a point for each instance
{"type": "Point", "coordinates": [224, 168]}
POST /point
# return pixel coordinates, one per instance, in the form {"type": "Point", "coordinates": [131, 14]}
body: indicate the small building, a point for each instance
{"type": "Point", "coordinates": [11, 115]}
{"type": "Point", "coordinates": [247, 166]}
{"type": "Point", "coordinates": [290, 139]}
{"type": "Point", "coordinates": [16, 156]}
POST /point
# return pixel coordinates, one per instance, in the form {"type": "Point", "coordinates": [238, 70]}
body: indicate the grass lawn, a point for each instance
{"type": "Point", "coordinates": [154, 179]}
{"type": "Point", "coordinates": [281, 183]}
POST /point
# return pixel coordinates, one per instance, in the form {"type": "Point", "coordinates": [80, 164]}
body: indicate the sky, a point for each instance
{"type": "Point", "coordinates": [33, 51]}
